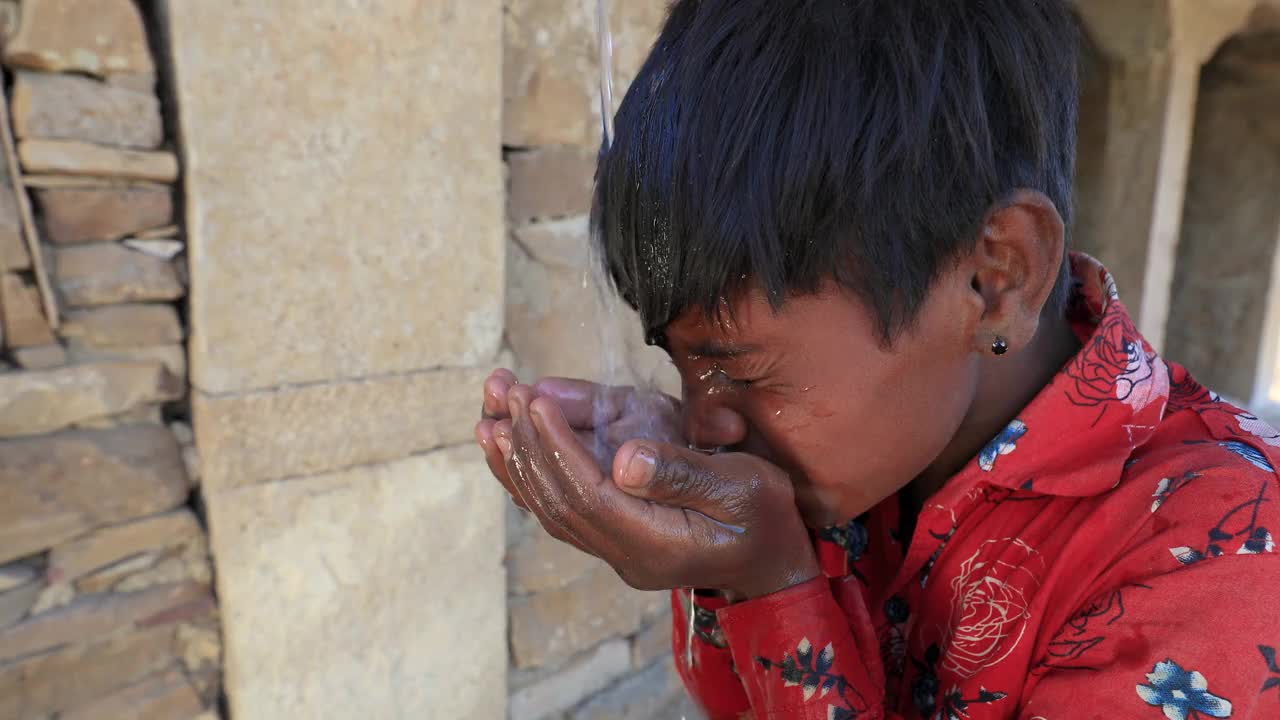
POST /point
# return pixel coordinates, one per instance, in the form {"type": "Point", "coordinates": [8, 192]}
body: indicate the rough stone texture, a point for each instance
{"type": "Point", "coordinates": [160, 248]}
{"type": "Point", "coordinates": [109, 545]}
{"type": "Point", "coordinates": [141, 415]}
{"type": "Point", "coordinates": [1227, 253]}
{"type": "Point", "coordinates": [578, 680]}
{"type": "Point", "coordinates": [550, 182]}
{"type": "Point", "coordinates": [73, 157]}
{"type": "Point", "coordinates": [550, 626]}
{"type": "Point", "coordinates": [95, 615]}
{"type": "Point", "coordinates": [91, 214]}
{"type": "Point", "coordinates": [57, 487]}
{"type": "Point", "coordinates": [23, 319]}
{"type": "Point", "coordinates": [319, 428]}
{"type": "Point", "coordinates": [642, 696]}
{"type": "Point", "coordinates": [543, 563]}
{"type": "Point", "coordinates": [200, 647]}
{"type": "Point", "coordinates": [653, 642]}
{"type": "Point", "coordinates": [43, 357]}
{"type": "Point", "coordinates": [549, 311]}
{"type": "Point", "coordinates": [98, 37]}
{"type": "Point", "coordinates": [16, 575]}
{"type": "Point", "coordinates": [107, 273]}
{"type": "Point", "coordinates": [376, 174]}
{"type": "Point", "coordinates": [47, 683]}
{"type": "Point", "coordinates": [16, 601]}
{"type": "Point", "coordinates": [123, 326]}
{"type": "Point", "coordinates": [13, 248]}
{"type": "Point", "coordinates": [43, 401]}
{"type": "Point", "coordinates": [550, 66]}
{"type": "Point", "coordinates": [108, 577]}
{"type": "Point", "coordinates": [172, 357]}
{"type": "Point", "coordinates": [71, 107]}
{"type": "Point", "coordinates": [366, 555]}
{"type": "Point", "coordinates": [166, 696]}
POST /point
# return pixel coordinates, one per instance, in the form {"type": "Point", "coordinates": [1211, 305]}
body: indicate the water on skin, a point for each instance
{"type": "Point", "coordinates": [613, 367]}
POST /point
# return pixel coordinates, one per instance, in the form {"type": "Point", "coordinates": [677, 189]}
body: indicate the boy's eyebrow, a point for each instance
{"type": "Point", "coordinates": [721, 351]}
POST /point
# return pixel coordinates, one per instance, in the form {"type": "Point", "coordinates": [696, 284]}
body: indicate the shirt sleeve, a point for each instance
{"type": "Point", "coordinates": [1198, 642]}
{"type": "Point", "coordinates": [800, 653]}
{"type": "Point", "coordinates": [703, 659]}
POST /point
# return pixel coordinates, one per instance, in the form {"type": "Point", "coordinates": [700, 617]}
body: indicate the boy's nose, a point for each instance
{"type": "Point", "coordinates": [708, 425]}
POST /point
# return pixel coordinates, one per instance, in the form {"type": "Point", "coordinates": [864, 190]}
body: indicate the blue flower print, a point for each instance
{"type": "Point", "coordinates": [1249, 453]}
{"type": "Point", "coordinates": [1003, 444]}
{"type": "Point", "coordinates": [1182, 694]}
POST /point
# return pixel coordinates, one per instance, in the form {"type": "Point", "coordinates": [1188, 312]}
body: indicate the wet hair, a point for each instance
{"type": "Point", "coordinates": [785, 143]}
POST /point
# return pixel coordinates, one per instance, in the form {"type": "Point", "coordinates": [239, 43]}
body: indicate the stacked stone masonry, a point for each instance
{"type": "Point", "coordinates": [106, 601]}
{"type": "Point", "coordinates": [583, 644]}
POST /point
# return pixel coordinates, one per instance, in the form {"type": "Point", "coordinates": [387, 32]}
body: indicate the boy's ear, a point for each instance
{"type": "Point", "coordinates": [1016, 266]}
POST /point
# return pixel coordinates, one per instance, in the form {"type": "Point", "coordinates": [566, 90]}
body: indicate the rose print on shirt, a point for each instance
{"type": "Point", "coordinates": [1182, 694]}
{"type": "Point", "coordinates": [1258, 428]}
{"type": "Point", "coordinates": [989, 614]}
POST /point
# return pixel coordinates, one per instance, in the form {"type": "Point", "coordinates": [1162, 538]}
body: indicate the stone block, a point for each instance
{"type": "Point", "coordinates": [109, 545]}
{"type": "Point", "coordinates": [108, 273]}
{"type": "Point", "coordinates": [123, 326]}
{"type": "Point", "coordinates": [172, 357]}
{"type": "Point", "coordinates": [92, 616]}
{"type": "Point", "coordinates": [109, 212]}
{"type": "Point", "coordinates": [653, 642]}
{"type": "Point", "coordinates": [551, 626]}
{"type": "Point", "coordinates": [108, 577]}
{"type": "Point", "coordinates": [400, 565]}
{"type": "Point", "coordinates": [47, 683]}
{"type": "Point", "coordinates": [164, 696]}
{"type": "Point", "coordinates": [377, 282]}
{"type": "Point", "coordinates": [46, 400]}
{"type": "Point", "coordinates": [319, 428]}
{"type": "Point", "coordinates": [160, 248]}
{"type": "Point", "coordinates": [17, 600]}
{"type": "Point", "coordinates": [13, 248]}
{"type": "Point", "coordinates": [97, 37]}
{"type": "Point", "coordinates": [641, 696]}
{"type": "Point", "coordinates": [543, 563]}
{"type": "Point", "coordinates": [73, 157]}
{"type": "Point", "coordinates": [23, 318]}
{"type": "Point", "coordinates": [550, 67]}
{"type": "Point", "coordinates": [16, 575]}
{"type": "Point", "coordinates": [43, 357]}
{"type": "Point", "coordinates": [550, 696]}
{"type": "Point", "coordinates": [74, 107]}
{"type": "Point", "coordinates": [556, 326]}
{"type": "Point", "coordinates": [200, 647]}
{"type": "Point", "coordinates": [58, 487]}
{"type": "Point", "coordinates": [550, 182]}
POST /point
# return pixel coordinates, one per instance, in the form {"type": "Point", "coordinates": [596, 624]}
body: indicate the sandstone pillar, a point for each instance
{"type": "Point", "coordinates": [1153, 51]}
{"type": "Point", "coordinates": [1227, 256]}
{"type": "Point", "coordinates": [345, 200]}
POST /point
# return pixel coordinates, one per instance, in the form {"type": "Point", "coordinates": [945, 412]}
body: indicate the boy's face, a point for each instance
{"type": "Point", "coordinates": [811, 389]}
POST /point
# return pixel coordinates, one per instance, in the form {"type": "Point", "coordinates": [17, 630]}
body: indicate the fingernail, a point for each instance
{"type": "Point", "coordinates": [504, 445]}
{"type": "Point", "coordinates": [516, 404]}
{"type": "Point", "coordinates": [640, 468]}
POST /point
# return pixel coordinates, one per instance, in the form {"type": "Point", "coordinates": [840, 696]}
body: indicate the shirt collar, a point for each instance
{"type": "Point", "coordinates": [1076, 436]}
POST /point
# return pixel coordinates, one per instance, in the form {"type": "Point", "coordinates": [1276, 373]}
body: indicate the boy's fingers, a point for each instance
{"type": "Point", "coordinates": [493, 458]}
{"type": "Point", "coordinates": [585, 403]}
{"type": "Point", "coordinates": [495, 393]}
{"type": "Point", "coordinates": [716, 486]}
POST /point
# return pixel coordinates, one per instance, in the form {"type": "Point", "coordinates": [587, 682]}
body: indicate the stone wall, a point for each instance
{"type": "Point", "coordinates": [343, 185]}
{"type": "Point", "coordinates": [583, 644]}
{"type": "Point", "coordinates": [106, 608]}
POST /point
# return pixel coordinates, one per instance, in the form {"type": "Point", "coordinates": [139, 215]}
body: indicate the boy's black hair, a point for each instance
{"type": "Point", "coordinates": [788, 141]}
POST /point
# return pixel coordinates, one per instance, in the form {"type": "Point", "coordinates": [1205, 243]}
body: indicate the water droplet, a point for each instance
{"type": "Point", "coordinates": [777, 413]}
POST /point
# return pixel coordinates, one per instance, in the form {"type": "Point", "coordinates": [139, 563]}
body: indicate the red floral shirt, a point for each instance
{"type": "Point", "coordinates": [1108, 554]}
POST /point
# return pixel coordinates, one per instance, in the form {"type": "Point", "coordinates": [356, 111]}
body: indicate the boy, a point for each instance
{"type": "Point", "coordinates": [928, 467]}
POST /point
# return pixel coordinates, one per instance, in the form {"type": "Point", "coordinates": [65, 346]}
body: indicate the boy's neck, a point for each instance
{"type": "Point", "coordinates": [1005, 387]}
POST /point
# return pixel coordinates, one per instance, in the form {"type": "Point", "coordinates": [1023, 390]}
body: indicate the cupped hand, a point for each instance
{"type": "Point", "coordinates": [661, 515]}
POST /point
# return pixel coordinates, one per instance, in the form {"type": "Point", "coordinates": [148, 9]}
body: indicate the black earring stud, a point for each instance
{"type": "Point", "coordinates": [1000, 346]}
